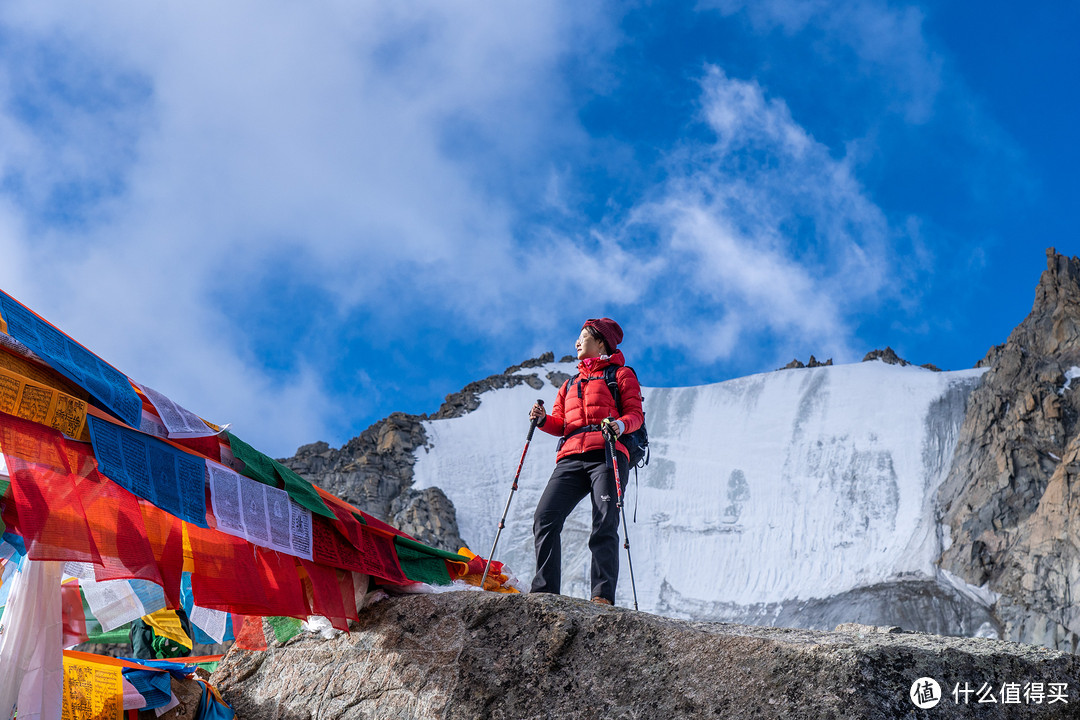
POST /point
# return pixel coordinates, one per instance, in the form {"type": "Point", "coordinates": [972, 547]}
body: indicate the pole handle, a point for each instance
{"type": "Point", "coordinates": [532, 424]}
{"type": "Point", "coordinates": [610, 435]}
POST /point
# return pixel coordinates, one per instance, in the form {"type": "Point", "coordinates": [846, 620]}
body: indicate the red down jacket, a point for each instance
{"type": "Point", "coordinates": [589, 401]}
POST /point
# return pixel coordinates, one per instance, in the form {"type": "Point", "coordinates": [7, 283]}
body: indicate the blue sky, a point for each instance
{"type": "Point", "coordinates": [300, 218]}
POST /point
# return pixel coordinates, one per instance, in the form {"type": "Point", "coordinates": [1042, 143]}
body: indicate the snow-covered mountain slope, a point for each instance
{"type": "Point", "coordinates": [801, 497]}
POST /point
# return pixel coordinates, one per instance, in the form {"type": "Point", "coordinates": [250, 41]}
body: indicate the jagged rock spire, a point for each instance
{"type": "Point", "coordinates": [1020, 424]}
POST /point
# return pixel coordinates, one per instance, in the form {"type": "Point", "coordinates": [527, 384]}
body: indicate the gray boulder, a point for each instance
{"type": "Point", "coordinates": [475, 655]}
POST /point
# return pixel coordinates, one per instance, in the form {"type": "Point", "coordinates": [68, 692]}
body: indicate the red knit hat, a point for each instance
{"type": "Point", "coordinates": [608, 329]}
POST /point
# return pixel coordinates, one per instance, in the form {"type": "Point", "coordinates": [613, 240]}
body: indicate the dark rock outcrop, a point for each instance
{"type": "Point", "coordinates": [460, 403]}
{"type": "Point", "coordinates": [888, 355]}
{"type": "Point", "coordinates": [1007, 501]}
{"type": "Point", "coordinates": [480, 655]}
{"type": "Point", "coordinates": [374, 471]}
{"type": "Point", "coordinates": [813, 362]}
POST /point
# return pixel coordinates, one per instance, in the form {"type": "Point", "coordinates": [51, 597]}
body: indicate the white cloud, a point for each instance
{"type": "Point", "coordinates": [764, 234]}
{"type": "Point", "coordinates": [377, 156]}
{"type": "Point", "coordinates": [343, 147]}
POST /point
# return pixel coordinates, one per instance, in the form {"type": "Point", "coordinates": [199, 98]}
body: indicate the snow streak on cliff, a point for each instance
{"type": "Point", "coordinates": [799, 497]}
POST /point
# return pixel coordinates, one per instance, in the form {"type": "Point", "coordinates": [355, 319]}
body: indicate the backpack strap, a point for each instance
{"type": "Point", "coordinates": [576, 380]}
{"type": "Point", "coordinates": [613, 383]}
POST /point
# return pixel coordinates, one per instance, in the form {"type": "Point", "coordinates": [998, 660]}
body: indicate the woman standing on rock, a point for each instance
{"type": "Point", "coordinates": [579, 416]}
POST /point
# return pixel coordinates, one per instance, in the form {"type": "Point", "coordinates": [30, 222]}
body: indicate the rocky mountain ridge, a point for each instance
{"type": "Point", "coordinates": [374, 470]}
{"type": "Point", "coordinates": [1008, 502]}
{"type": "Point", "coordinates": [1006, 507]}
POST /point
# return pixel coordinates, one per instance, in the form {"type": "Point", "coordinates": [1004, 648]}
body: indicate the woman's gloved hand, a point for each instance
{"type": "Point", "coordinates": [612, 427]}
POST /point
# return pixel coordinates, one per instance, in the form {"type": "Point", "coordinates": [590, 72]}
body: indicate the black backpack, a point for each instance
{"type": "Point", "coordinates": [637, 442]}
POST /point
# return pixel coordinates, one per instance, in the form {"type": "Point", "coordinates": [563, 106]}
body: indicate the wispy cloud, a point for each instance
{"type": "Point", "coordinates": [763, 233]}
{"type": "Point", "coordinates": [886, 41]}
{"type": "Point", "coordinates": [170, 172]}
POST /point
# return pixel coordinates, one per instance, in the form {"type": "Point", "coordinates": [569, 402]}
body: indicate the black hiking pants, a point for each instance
{"type": "Point", "coordinates": [574, 477]}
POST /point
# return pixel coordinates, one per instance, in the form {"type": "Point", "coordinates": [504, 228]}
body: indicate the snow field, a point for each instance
{"type": "Point", "coordinates": [788, 485]}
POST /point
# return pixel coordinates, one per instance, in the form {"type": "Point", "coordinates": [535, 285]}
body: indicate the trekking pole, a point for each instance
{"type": "Point", "coordinates": [502, 521]}
{"type": "Point", "coordinates": [610, 434]}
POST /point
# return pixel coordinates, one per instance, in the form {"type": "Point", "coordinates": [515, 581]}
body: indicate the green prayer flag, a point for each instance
{"type": "Point", "coordinates": [94, 633]}
{"type": "Point", "coordinates": [269, 471]}
{"type": "Point", "coordinates": [403, 541]}
{"type": "Point", "coordinates": [116, 636]}
{"type": "Point", "coordinates": [4, 484]}
{"type": "Point", "coordinates": [257, 466]}
{"type": "Point", "coordinates": [421, 563]}
{"type": "Point", "coordinates": [285, 628]}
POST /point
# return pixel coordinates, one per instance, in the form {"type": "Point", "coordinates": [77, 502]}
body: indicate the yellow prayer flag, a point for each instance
{"type": "Point", "coordinates": [40, 403]}
{"type": "Point", "coordinates": [166, 623]}
{"type": "Point", "coordinates": [189, 556]}
{"type": "Point", "coordinates": [39, 373]}
{"type": "Point", "coordinates": [92, 691]}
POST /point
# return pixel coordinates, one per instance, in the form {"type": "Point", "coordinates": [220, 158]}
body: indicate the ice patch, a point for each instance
{"type": "Point", "coordinates": [981, 594]}
{"type": "Point", "coordinates": [1073, 372]}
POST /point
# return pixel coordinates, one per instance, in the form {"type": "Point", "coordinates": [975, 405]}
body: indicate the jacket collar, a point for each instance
{"type": "Point", "coordinates": [590, 365]}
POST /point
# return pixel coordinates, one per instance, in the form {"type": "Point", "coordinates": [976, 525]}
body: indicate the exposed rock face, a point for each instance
{"type": "Point", "coordinates": [919, 605]}
{"type": "Point", "coordinates": [374, 471]}
{"type": "Point", "coordinates": [888, 355]}
{"type": "Point", "coordinates": [188, 694]}
{"type": "Point", "coordinates": [459, 403]}
{"type": "Point", "coordinates": [1044, 565]}
{"type": "Point", "coordinates": [813, 362]}
{"type": "Point", "coordinates": [479, 655]}
{"type": "Point", "coordinates": [1008, 498]}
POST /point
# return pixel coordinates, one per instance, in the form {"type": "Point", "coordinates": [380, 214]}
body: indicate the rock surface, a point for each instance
{"type": "Point", "coordinates": [480, 655]}
{"type": "Point", "coordinates": [374, 472]}
{"type": "Point", "coordinates": [459, 403]}
{"type": "Point", "coordinates": [888, 356]}
{"type": "Point", "coordinates": [813, 362]}
{"type": "Point", "coordinates": [1008, 500]}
